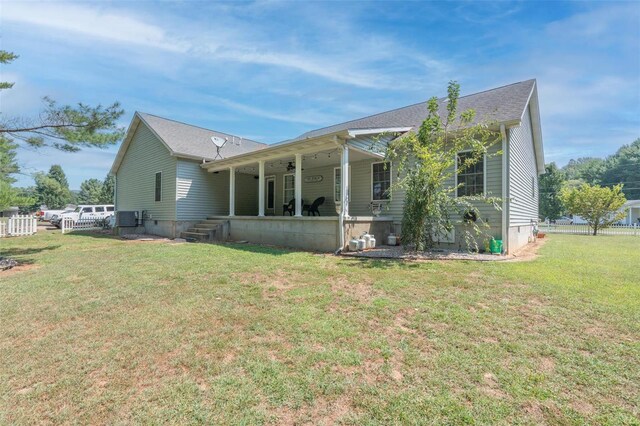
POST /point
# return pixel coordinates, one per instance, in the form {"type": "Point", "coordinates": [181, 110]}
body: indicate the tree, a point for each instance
{"type": "Point", "coordinates": [90, 192]}
{"type": "Point", "coordinates": [108, 190]}
{"type": "Point", "coordinates": [12, 197]}
{"type": "Point", "coordinates": [624, 167]}
{"type": "Point", "coordinates": [62, 126]}
{"type": "Point", "coordinates": [56, 172]}
{"type": "Point", "coordinates": [599, 206]}
{"type": "Point", "coordinates": [52, 189]}
{"type": "Point", "coordinates": [5, 58]}
{"type": "Point", "coordinates": [8, 163]}
{"type": "Point", "coordinates": [551, 184]}
{"type": "Point", "coordinates": [427, 163]}
{"type": "Point", "coordinates": [586, 169]}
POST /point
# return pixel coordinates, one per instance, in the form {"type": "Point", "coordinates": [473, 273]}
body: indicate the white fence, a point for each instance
{"type": "Point", "coordinates": [18, 225]}
{"type": "Point", "coordinates": [68, 224]}
{"type": "Point", "coordinates": [553, 228]}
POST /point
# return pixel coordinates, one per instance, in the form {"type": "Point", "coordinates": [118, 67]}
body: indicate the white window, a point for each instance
{"type": "Point", "coordinates": [289, 188]}
{"type": "Point", "coordinates": [533, 187]}
{"type": "Point", "coordinates": [471, 176]}
{"type": "Point", "coordinates": [337, 184]}
{"type": "Point", "coordinates": [159, 186]}
{"type": "Point", "coordinates": [380, 181]}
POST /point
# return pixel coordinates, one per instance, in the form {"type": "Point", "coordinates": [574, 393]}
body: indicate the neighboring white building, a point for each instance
{"type": "Point", "coordinates": [633, 212]}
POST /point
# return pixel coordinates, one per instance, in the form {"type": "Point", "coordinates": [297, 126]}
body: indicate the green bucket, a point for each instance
{"type": "Point", "coordinates": [495, 246]}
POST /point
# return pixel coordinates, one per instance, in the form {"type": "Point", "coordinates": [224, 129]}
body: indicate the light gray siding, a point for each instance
{"type": "Point", "coordinates": [135, 179]}
{"type": "Point", "coordinates": [201, 194]}
{"type": "Point", "coordinates": [492, 185]}
{"type": "Point", "coordinates": [523, 175]}
{"type": "Point", "coordinates": [372, 143]}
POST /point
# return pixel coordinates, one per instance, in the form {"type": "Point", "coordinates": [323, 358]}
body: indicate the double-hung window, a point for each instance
{"type": "Point", "coordinates": [159, 186]}
{"type": "Point", "coordinates": [289, 188]}
{"type": "Point", "coordinates": [471, 176]}
{"type": "Point", "coordinates": [380, 181]}
{"type": "Point", "coordinates": [337, 184]}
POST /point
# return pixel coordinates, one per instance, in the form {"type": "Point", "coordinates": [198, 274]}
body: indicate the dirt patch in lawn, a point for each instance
{"type": "Point", "coordinates": [528, 252]}
{"type": "Point", "coordinates": [18, 269]}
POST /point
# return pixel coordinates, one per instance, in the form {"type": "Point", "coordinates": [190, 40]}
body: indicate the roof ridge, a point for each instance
{"type": "Point", "coordinates": [413, 105]}
{"type": "Point", "coordinates": [198, 127]}
{"type": "Point", "coordinates": [495, 88]}
{"type": "Point", "coordinates": [365, 117]}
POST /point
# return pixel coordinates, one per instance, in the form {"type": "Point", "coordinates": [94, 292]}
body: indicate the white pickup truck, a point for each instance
{"type": "Point", "coordinates": [86, 212]}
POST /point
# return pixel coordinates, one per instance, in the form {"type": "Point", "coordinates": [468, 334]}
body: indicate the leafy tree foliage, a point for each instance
{"type": "Point", "coordinates": [5, 58]}
{"type": "Point", "coordinates": [56, 172]}
{"type": "Point", "coordinates": [427, 166]}
{"type": "Point", "coordinates": [624, 167]}
{"type": "Point", "coordinates": [52, 189]}
{"type": "Point", "coordinates": [12, 197]}
{"type": "Point", "coordinates": [586, 169]}
{"type": "Point", "coordinates": [8, 163]}
{"type": "Point", "coordinates": [90, 192]}
{"type": "Point", "coordinates": [108, 190]}
{"type": "Point", "coordinates": [65, 127]}
{"type": "Point", "coordinates": [599, 206]}
{"type": "Point", "coordinates": [551, 184]}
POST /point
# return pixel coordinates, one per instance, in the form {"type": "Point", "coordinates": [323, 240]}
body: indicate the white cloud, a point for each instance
{"type": "Point", "coordinates": [350, 58]}
{"type": "Point", "coordinates": [306, 116]}
{"type": "Point", "coordinates": [91, 22]}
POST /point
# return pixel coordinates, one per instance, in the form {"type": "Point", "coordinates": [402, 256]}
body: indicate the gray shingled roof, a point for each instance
{"type": "Point", "coordinates": [193, 141]}
{"type": "Point", "coordinates": [502, 104]}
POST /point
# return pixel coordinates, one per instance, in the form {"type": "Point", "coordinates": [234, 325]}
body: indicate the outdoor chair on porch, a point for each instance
{"type": "Point", "coordinates": [290, 207]}
{"type": "Point", "coordinates": [313, 208]}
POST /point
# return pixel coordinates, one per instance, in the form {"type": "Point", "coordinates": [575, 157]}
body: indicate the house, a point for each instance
{"type": "Point", "coordinates": [632, 209]}
{"type": "Point", "coordinates": [180, 179]}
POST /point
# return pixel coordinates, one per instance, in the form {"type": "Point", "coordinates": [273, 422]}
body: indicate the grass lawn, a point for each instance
{"type": "Point", "coordinates": [99, 330]}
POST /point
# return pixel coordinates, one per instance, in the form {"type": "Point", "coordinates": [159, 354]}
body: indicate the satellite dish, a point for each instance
{"type": "Point", "coordinates": [219, 143]}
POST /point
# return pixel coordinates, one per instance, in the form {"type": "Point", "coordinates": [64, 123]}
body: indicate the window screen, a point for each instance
{"type": "Point", "coordinates": [159, 186]}
{"type": "Point", "coordinates": [470, 176]}
{"type": "Point", "coordinates": [380, 181]}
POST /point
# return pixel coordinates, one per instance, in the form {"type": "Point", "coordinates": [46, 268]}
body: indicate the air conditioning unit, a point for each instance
{"type": "Point", "coordinates": [125, 219]}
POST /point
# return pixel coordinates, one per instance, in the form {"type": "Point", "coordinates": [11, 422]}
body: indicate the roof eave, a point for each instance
{"type": "Point", "coordinates": [536, 126]}
{"type": "Point", "coordinates": [250, 157]}
{"type": "Point", "coordinates": [135, 121]}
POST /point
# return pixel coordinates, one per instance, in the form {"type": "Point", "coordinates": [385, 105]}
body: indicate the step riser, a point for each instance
{"type": "Point", "coordinates": [207, 231]}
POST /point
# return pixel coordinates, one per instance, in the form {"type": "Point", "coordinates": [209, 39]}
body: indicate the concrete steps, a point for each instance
{"type": "Point", "coordinates": [195, 236]}
{"type": "Point", "coordinates": [207, 231]}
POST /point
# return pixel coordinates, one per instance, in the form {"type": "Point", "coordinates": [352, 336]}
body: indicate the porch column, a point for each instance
{"type": "Point", "coordinates": [298, 184]}
{"type": "Point", "coordinates": [261, 188]}
{"type": "Point", "coordinates": [344, 179]}
{"type": "Point", "coordinates": [232, 191]}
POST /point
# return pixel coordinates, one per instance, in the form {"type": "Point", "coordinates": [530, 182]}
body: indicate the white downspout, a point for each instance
{"type": "Point", "coordinates": [505, 191]}
{"type": "Point", "coordinates": [344, 193]}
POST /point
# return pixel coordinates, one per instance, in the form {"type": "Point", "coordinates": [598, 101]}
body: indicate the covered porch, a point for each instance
{"type": "Point", "coordinates": [313, 194]}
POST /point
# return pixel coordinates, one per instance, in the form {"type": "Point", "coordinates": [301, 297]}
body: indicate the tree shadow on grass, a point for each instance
{"type": "Point", "coordinates": [260, 249]}
{"type": "Point", "coordinates": [18, 253]}
{"type": "Point", "coordinates": [370, 263]}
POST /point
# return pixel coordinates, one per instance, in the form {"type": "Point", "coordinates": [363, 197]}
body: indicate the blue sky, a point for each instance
{"type": "Point", "coordinates": [270, 70]}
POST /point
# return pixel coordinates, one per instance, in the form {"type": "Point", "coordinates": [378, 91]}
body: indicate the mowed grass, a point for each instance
{"type": "Point", "coordinates": [98, 330]}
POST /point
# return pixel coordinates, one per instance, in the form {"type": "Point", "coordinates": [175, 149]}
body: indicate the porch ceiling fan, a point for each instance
{"type": "Point", "coordinates": [291, 166]}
